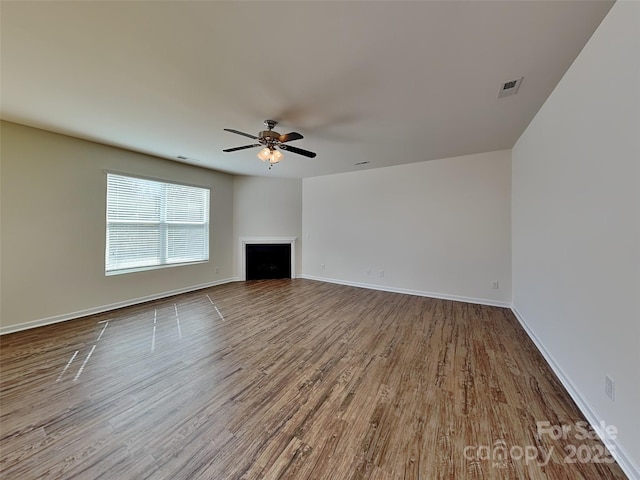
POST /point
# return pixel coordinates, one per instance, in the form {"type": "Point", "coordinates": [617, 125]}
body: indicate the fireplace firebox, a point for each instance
{"type": "Point", "coordinates": [266, 261]}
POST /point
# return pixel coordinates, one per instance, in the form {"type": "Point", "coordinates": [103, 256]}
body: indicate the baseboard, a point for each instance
{"type": "Point", "coordinates": [419, 293]}
{"type": "Point", "coordinates": [104, 308]}
{"type": "Point", "coordinates": [625, 461]}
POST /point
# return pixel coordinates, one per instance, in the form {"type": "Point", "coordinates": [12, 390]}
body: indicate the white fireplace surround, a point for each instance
{"type": "Point", "coordinates": [242, 251]}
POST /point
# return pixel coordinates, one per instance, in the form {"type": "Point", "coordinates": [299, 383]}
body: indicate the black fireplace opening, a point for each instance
{"type": "Point", "coordinates": [268, 261]}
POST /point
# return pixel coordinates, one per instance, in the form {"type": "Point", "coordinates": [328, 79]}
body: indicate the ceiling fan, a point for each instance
{"type": "Point", "coordinates": [272, 142]}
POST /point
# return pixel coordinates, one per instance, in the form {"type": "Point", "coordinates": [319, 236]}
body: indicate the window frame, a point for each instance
{"type": "Point", "coordinates": [163, 226]}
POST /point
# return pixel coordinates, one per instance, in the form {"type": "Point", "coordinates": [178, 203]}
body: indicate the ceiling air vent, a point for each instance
{"type": "Point", "coordinates": [184, 158]}
{"type": "Point", "coordinates": [510, 88]}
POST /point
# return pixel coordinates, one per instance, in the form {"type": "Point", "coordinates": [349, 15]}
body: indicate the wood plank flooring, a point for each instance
{"type": "Point", "coordinates": [287, 379]}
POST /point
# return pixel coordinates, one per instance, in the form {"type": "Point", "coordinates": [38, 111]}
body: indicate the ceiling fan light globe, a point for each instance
{"type": "Point", "coordinates": [276, 156]}
{"type": "Point", "coordinates": [264, 154]}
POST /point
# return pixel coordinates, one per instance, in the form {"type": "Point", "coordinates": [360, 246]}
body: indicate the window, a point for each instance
{"type": "Point", "coordinates": [151, 224]}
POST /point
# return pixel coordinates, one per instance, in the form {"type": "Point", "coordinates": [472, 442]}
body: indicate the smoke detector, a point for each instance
{"type": "Point", "coordinates": [510, 88]}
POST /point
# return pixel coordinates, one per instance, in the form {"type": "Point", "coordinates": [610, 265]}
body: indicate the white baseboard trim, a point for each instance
{"type": "Point", "coordinates": [419, 293]}
{"type": "Point", "coordinates": [104, 308]}
{"type": "Point", "coordinates": [621, 456]}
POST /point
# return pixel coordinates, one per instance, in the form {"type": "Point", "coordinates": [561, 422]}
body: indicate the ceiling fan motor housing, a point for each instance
{"type": "Point", "coordinates": [268, 137]}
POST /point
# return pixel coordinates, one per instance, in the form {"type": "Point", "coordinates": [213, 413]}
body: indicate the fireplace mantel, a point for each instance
{"type": "Point", "coordinates": [242, 251]}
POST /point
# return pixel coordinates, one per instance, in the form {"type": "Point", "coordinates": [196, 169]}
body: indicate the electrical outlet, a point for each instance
{"type": "Point", "coordinates": [323, 266]}
{"type": "Point", "coordinates": [217, 269]}
{"type": "Point", "coordinates": [381, 273]}
{"type": "Point", "coordinates": [495, 285]}
{"type": "Point", "coordinates": [610, 388]}
{"type": "Point", "coordinates": [368, 272]}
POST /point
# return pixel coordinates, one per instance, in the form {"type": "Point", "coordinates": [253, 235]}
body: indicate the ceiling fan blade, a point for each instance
{"type": "Point", "coordinates": [288, 137]}
{"type": "Point", "coordinates": [299, 151]}
{"type": "Point", "coordinates": [241, 148]}
{"type": "Point", "coordinates": [241, 133]}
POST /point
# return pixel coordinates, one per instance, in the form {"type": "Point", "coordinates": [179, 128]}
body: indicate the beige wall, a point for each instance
{"type": "Point", "coordinates": [267, 207]}
{"type": "Point", "coordinates": [438, 228]}
{"type": "Point", "coordinates": [53, 228]}
{"type": "Point", "coordinates": [576, 229]}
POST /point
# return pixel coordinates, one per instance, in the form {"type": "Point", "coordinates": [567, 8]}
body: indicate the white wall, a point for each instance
{"type": "Point", "coordinates": [576, 227]}
{"type": "Point", "coordinates": [439, 228]}
{"type": "Point", "coordinates": [53, 228]}
{"type": "Point", "coordinates": [267, 207]}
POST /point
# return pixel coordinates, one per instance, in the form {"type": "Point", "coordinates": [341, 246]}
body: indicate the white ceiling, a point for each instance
{"type": "Point", "coordinates": [388, 82]}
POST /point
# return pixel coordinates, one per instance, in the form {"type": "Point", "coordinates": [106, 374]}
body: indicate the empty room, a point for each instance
{"type": "Point", "coordinates": [320, 240]}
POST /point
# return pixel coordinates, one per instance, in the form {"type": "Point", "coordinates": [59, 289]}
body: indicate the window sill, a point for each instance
{"type": "Point", "coordinates": [123, 271]}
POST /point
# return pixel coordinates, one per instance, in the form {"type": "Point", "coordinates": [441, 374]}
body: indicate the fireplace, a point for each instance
{"type": "Point", "coordinates": [267, 257]}
{"type": "Point", "coordinates": [270, 260]}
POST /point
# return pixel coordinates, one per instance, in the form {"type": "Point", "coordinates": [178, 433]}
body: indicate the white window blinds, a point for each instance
{"type": "Point", "coordinates": [152, 223]}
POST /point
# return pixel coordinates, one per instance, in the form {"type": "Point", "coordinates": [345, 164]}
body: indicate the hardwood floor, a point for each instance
{"type": "Point", "coordinates": [288, 379]}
